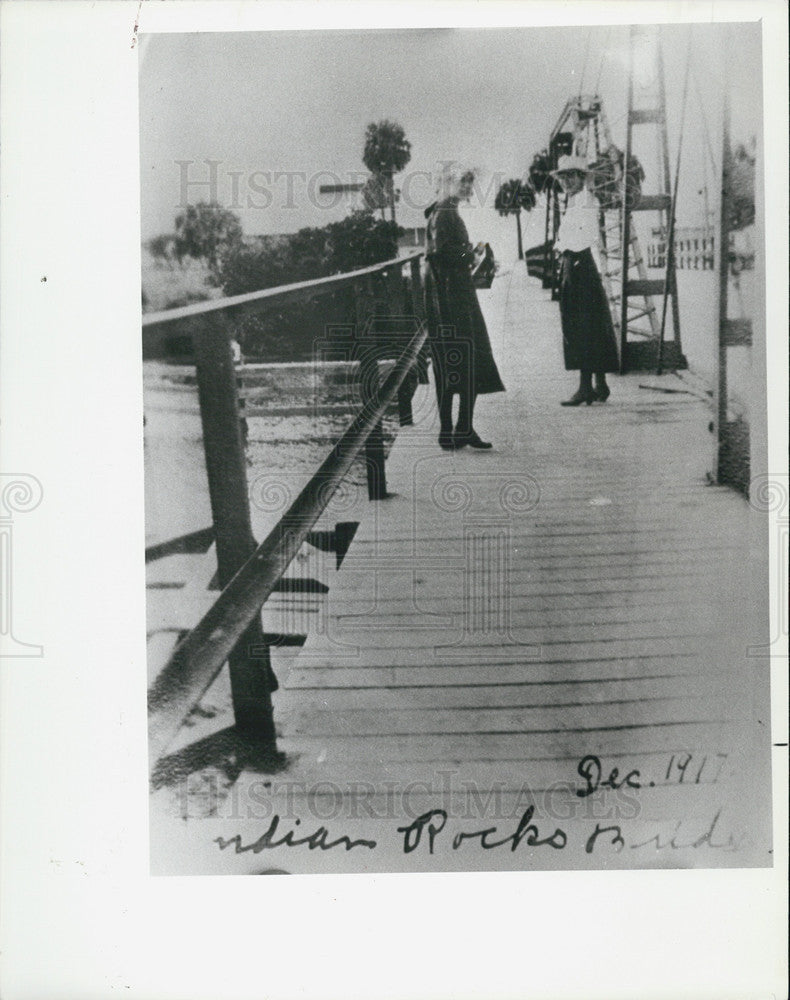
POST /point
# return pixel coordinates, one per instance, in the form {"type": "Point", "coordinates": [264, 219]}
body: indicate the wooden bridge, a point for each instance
{"type": "Point", "coordinates": [543, 656]}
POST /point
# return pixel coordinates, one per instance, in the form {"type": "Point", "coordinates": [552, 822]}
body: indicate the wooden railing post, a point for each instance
{"type": "Point", "coordinates": [227, 626]}
{"type": "Point", "coordinates": [395, 296]}
{"type": "Point", "coordinates": [364, 305]}
{"type": "Point", "coordinates": [374, 446]}
{"type": "Point", "coordinates": [418, 303]}
{"type": "Point", "coordinates": [368, 306]}
{"type": "Point", "coordinates": [406, 391]}
{"type": "Point", "coordinates": [251, 676]}
{"type": "Point", "coordinates": [416, 288]}
{"type": "Point", "coordinates": [204, 329]}
{"type": "Point", "coordinates": [719, 427]}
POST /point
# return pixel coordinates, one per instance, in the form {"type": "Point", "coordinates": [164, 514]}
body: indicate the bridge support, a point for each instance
{"type": "Point", "coordinates": [251, 676]}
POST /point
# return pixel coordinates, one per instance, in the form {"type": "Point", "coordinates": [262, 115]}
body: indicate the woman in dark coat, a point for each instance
{"type": "Point", "coordinates": [463, 363]}
{"type": "Point", "coordinates": [588, 339]}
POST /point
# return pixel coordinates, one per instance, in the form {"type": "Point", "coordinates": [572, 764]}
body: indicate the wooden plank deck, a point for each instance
{"type": "Point", "coordinates": [579, 590]}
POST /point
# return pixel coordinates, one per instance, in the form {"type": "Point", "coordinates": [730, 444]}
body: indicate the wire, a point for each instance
{"type": "Point", "coordinates": [673, 204]}
{"type": "Point", "coordinates": [704, 193]}
{"type": "Point", "coordinates": [584, 67]}
{"type": "Point", "coordinates": [618, 119]}
{"type": "Point", "coordinates": [603, 56]}
{"type": "Point", "coordinates": [705, 132]}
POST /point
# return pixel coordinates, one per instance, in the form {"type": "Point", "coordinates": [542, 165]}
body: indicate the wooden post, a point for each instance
{"type": "Point", "coordinates": [362, 307]}
{"type": "Point", "coordinates": [723, 248]}
{"type": "Point", "coordinates": [548, 252]}
{"type": "Point", "coordinates": [251, 676]}
{"type": "Point", "coordinates": [418, 303]}
{"type": "Point", "coordinates": [416, 288]}
{"type": "Point", "coordinates": [411, 319]}
{"type": "Point", "coordinates": [670, 281]}
{"type": "Point", "coordinates": [625, 235]}
{"type": "Point", "coordinates": [367, 307]}
{"type": "Point", "coordinates": [405, 393]}
{"type": "Point", "coordinates": [395, 296]}
{"type": "Point", "coordinates": [374, 447]}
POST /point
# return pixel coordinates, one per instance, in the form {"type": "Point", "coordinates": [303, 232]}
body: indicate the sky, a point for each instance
{"type": "Point", "coordinates": [296, 104]}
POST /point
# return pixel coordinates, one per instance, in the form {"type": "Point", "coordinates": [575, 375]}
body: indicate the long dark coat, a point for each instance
{"type": "Point", "coordinates": [460, 348]}
{"type": "Point", "coordinates": [588, 338]}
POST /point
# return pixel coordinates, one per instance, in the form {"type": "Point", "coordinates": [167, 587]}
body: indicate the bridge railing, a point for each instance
{"type": "Point", "coordinates": [386, 327]}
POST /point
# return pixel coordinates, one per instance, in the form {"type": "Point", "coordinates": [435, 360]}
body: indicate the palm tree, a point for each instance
{"type": "Point", "coordinates": [386, 153]}
{"type": "Point", "coordinates": [375, 196]}
{"type": "Point", "coordinates": [510, 199]}
{"type": "Point", "coordinates": [540, 172]}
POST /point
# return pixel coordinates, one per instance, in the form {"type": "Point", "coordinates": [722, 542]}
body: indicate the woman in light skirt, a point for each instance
{"type": "Point", "coordinates": [588, 338]}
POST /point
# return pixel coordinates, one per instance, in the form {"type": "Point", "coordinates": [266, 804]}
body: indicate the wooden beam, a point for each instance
{"type": "Point", "coordinates": [252, 680]}
{"type": "Point", "coordinates": [649, 116]}
{"type": "Point", "coordinates": [653, 203]}
{"type": "Point", "coordinates": [651, 286]}
{"type": "Point", "coordinates": [736, 332]}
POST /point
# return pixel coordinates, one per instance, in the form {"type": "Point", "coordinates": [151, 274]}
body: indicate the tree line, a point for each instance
{"type": "Point", "coordinates": [213, 234]}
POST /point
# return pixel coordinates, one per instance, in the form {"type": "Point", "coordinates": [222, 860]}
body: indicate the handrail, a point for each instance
{"type": "Point", "coordinates": [280, 292]}
{"type": "Point", "coordinates": [200, 655]}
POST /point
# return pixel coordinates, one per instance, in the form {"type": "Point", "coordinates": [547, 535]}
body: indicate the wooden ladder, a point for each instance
{"type": "Point", "coordinates": [583, 128]}
{"type": "Point", "coordinates": [647, 350]}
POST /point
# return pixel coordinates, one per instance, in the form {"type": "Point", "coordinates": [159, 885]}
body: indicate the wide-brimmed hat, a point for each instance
{"type": "Point", "coordinates": [571, 164]}
{"type": "Point", "coordinates": [450, 178]}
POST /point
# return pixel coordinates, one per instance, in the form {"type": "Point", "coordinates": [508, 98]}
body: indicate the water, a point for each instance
{"type": "Point", "coordinates": [283, 449]}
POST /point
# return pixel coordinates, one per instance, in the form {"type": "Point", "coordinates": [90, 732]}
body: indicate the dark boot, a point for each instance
{"type": "Point", "coordinates": [584, 394]}
{"type": "Point", "coordinates": [602, 391]}
{"type": "Point", "coordinates": [475, 441]}
{"type": "Point", "coordinates": [465, 433]}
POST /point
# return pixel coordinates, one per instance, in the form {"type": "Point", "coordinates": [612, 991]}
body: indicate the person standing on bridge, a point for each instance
{"type": "Point", "coordinates": [588, 338]}
{"type": "Point", "coordinates": [463, 362]}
